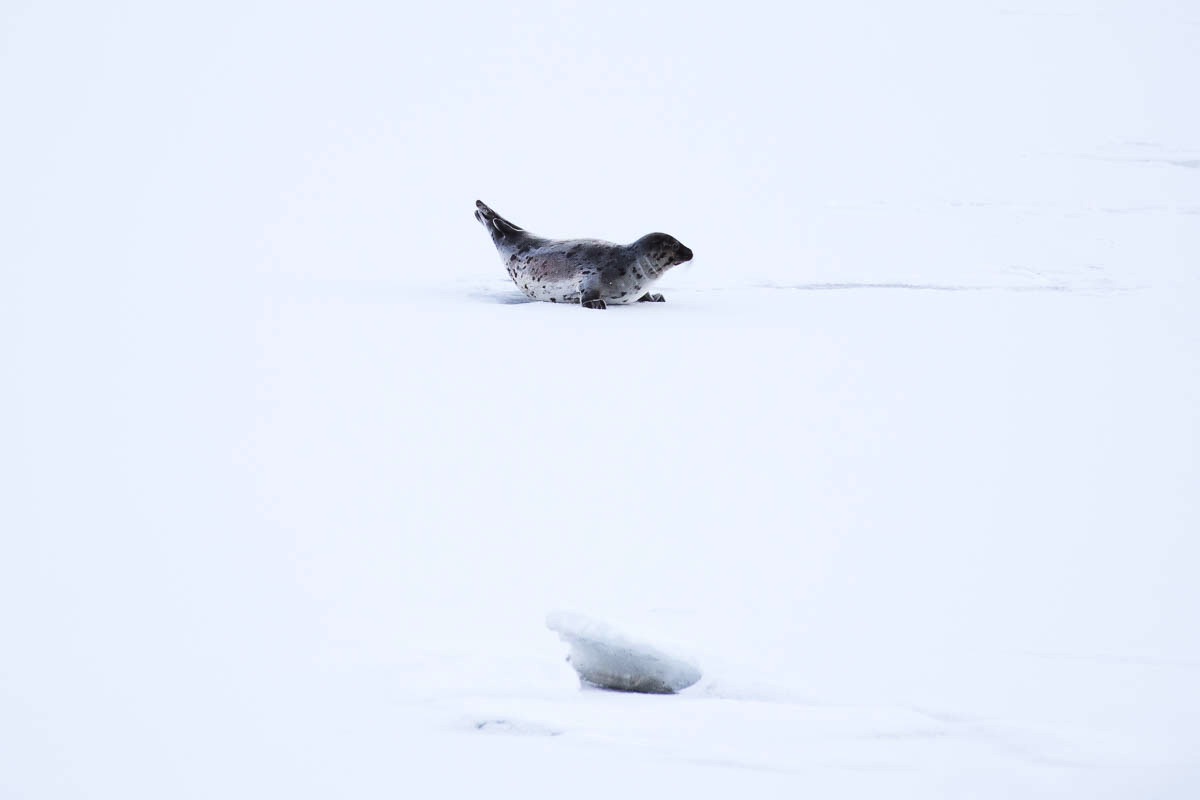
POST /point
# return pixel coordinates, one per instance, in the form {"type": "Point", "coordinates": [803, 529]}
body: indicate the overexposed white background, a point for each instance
{"type": "Point", "coordinates": [907, 461]}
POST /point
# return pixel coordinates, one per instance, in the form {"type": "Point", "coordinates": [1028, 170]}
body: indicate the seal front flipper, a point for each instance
{"type": "Point", "coordinates": [652, 298]}
{"type": "Point", "coordinates": [591, 299]}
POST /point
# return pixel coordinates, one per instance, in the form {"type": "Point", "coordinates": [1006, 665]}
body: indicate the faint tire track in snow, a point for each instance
{"type": "Point", "coordinates": [948, 287]}
{"type": "Point", "coordinates": [514, 727]}
{"type": "Point", "coordinates": [1014, 742]}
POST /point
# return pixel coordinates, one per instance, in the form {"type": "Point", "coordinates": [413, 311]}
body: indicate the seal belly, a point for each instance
{"type": "Point", "coordinates": [624, 298]}
{"type": "Point", "coordinates": [546, 274]}
{"type": "Point", "coordinates": [628, 288]}
{"type": "Point", "coordinates": [550, 291]}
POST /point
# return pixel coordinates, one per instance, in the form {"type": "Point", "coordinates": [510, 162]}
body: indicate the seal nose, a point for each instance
{"type": "Point", "coordinates": [687, 254]}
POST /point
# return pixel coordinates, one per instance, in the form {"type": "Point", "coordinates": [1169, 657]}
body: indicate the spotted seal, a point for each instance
{"type": "Point", "coordinates": [589, 272]}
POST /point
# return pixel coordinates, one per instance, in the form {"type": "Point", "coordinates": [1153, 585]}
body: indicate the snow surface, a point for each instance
{"type": "Point", "coordinates": [908, 461]}
{"type": "Point", "coordinates": [606, 659]}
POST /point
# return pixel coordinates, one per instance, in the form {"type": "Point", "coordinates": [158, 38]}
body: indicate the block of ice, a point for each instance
{"type": "Point", "coordinates": [606, 659]}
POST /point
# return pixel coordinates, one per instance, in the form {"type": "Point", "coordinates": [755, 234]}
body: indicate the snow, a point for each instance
{"type": "Point", "coordinates": [606, 659]}
{"type": "Point", "coordinates": [907, 461]}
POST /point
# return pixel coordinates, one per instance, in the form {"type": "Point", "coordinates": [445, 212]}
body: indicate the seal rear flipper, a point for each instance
{"type": "Point", "coordinates": [487, 216]}
{"type": "Point", "coordinates": [505, 227]}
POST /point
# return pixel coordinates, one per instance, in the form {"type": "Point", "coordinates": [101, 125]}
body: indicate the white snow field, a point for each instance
{"type": "Point", "coordinates": [908, 462]}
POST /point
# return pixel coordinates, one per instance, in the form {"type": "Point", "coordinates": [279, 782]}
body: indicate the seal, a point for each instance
{"type": "Point", "coordinates": [589, 272]}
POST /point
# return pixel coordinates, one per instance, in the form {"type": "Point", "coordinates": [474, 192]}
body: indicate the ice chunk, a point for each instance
{"type": "Point", "coordinates": [607, 660]}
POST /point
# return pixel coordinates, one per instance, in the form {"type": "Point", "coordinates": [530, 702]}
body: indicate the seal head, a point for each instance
{"type": "Point", "coordinates": [660, 251]}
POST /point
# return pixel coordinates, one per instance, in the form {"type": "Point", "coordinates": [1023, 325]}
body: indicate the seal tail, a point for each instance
{"type": "Point", "coordinates": [491, 219]}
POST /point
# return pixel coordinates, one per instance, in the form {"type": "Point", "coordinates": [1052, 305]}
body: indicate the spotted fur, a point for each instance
{"type": "Point", "coordinates": [584, 271]}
